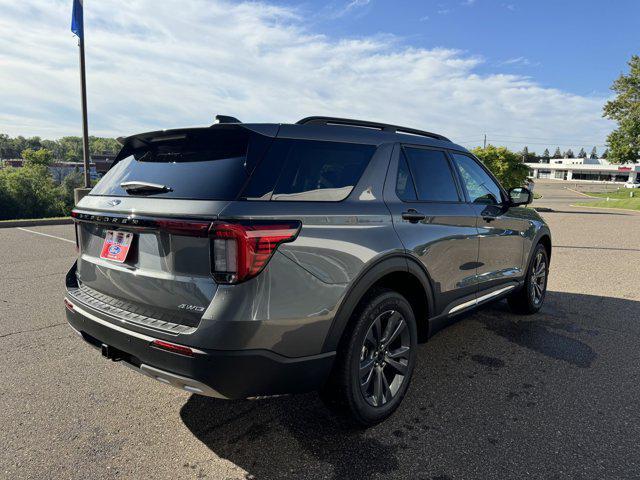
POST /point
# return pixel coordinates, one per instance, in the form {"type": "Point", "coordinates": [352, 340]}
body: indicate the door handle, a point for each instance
{"type": "Point", "coordinates": [413, 215]}
{"type": "Point", "coordinates": [488, 218]}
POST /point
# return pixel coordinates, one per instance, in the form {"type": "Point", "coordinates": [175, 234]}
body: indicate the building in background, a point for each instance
{"type": "Point", "coordinates": [586, 169]}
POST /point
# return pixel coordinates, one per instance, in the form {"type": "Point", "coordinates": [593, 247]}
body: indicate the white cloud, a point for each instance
{"type": "Point", "coordinates": [468, 3]}
{"type": "Point", "coordinates": [519, 62]}
{"type": "Point", "coordinates": [169, 64]}
{"type": "Point", "coordinates": [346, 9]}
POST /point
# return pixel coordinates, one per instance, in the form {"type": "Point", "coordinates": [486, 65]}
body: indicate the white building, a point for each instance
{"type": "Point", "coordinates": [587, 169]}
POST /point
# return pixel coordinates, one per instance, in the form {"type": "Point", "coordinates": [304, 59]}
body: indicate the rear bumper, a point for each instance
{"type": "Point", "coordinates": [217, 373]}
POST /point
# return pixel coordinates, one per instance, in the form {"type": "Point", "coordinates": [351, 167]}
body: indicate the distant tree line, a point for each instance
{"type": "Point", "coordinates": [531, 157]}
{"type": "Point", "coordinates": [67, 149]}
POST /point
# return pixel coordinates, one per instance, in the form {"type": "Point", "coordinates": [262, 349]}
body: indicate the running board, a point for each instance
{"type": "Point", "coordinates": [484, 298]}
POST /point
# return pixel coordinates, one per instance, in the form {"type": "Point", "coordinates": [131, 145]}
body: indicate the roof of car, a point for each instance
{"type": "Point", "coordinates": [313, 128]}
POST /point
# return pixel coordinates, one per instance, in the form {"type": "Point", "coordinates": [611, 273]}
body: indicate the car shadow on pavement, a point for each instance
{"type": "Point", "coordinates": [476, 387]}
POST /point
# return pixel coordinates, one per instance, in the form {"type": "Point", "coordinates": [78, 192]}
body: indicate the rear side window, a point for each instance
{"type": "Point", "coordinates": [432, 177]}
{"type": "Point", "coordinates": [307, 170]}
{"type": "Point", "coordinates": [202, 165]}
{"type": "Point", "coordinates": [404, 183]}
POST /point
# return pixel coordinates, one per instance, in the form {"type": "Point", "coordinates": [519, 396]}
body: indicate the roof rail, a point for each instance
{"type": "Point", "coordinates": [385, 127]}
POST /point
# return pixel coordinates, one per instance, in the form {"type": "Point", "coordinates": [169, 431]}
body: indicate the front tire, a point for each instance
{"type": "Point", "coordinates": [530, 298]}
{"type": "Point", "coordinates": [375, 359]}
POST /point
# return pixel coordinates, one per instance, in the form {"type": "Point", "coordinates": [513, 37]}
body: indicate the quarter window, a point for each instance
{"type": "Point", "coordinates": [430, 178]}
{"type": "Point", "coordinates": [404, 183]}
{"type": "Point", "coordinates": [480, 186]}
{"type": "Point", "coordinates": [307, 170]}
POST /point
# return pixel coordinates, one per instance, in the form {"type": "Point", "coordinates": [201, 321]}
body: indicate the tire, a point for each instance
{"type": "Point", "coordinates": [530, 297]}
{"type": "Point", "coordinates": [369, 397]}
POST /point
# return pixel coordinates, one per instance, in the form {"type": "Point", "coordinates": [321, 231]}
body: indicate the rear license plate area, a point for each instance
{"type": "Point", "coordinates": [116, 245]}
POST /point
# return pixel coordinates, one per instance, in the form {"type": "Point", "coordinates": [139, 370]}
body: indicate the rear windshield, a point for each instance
{"type": "Point", "coordinates": [209, 165]}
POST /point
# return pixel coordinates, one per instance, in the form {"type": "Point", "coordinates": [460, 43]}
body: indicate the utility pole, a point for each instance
{"type": "Point", "coordinates": [485, 141]}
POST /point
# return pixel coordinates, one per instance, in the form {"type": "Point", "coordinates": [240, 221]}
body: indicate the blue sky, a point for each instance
{"type": "Point", "coordinates": [579, 46]}
{"type": "Point", "coordinates": [523, 72]}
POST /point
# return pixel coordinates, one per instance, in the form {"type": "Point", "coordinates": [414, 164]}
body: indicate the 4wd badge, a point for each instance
{"type": "Point", "coordinates": [191, 308]}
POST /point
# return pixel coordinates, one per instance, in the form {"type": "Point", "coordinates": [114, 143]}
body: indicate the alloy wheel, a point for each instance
{"type": "Point", "coordinates": [384, 358]}
{"type": "Point", "coordinates": [538, 279]}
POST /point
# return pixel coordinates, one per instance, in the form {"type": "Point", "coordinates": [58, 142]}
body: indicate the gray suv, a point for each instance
{"type": "Point", "coordinates": [253, 260]}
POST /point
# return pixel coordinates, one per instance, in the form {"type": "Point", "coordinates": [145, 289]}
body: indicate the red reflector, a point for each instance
{"type": "Point", "coordinates": [68, 304]}
{"type": "Point", "coordinates": [172, 347]}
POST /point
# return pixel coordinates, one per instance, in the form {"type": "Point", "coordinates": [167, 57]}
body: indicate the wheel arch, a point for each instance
{"type": "Point", "coordinates": [545, 239]}
{"type": "Point", "coordinates": [398, 272]}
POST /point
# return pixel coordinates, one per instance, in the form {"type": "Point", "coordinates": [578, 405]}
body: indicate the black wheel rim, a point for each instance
{"type": "Point", "coordinates": [538, 279]}
{"type": "Point", "coordinates": [384, 358]}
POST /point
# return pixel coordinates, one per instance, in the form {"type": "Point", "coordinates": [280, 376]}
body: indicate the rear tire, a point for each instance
{"type": "Point", "coordinates": [530, 297]}
{"type": "Point", "coordinates": [375, 359]}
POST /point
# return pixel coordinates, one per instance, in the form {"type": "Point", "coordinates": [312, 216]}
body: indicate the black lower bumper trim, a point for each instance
{"type": "Point", "coordinates": [232, 374]}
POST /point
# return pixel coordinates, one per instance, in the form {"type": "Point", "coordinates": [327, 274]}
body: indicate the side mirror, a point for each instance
{"type": "Point", "coordinates": [520, 196]}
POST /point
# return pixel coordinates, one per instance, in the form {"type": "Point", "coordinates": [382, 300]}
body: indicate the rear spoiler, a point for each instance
{"type": "Point", "coordinates": [146, 139]}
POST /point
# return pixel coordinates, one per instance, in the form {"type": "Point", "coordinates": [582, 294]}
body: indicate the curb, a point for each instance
{"type": "Point", "coordinates": [36, 223]}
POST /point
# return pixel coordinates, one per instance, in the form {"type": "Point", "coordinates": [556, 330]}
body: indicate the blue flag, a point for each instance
{"type": "Point", "coordinates": [77, 23]}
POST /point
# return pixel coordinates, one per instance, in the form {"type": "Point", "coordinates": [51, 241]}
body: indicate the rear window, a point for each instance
{"type": "Point", "coordinates": [202, 165]}
{"type": "Point", "coordinates": [307, 170]}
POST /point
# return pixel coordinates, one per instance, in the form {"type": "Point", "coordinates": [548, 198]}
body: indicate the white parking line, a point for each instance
{"type": "Point", "coordinates": [46, 235]}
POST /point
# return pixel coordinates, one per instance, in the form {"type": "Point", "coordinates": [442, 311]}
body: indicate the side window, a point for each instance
{"type": "Point", "coordinates": [308, 170]}
{"type": "Point", "coordinates": [405, 189]}
{"type": "Point", "coordinates": [480, 186]}
{"type": "Point", "coordinates": [432, 176]}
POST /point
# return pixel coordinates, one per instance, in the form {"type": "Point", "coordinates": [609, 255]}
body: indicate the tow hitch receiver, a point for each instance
{"type": "Point", "coordinates": [110, 352]}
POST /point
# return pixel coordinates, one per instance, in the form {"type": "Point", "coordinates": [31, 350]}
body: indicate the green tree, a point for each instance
{"type": "Point", "coordinates": [72, 181]}
{"type": "Point", "coordinates": [557, 153]}
{"type": "Point", "coordinates": [29, 192]}
{"type": "Point", "coordinates": [624, 141]}
{"type": "Point", "coordinates": [605, 154]}
{"type": "Point", "coordinates": [594, 153]}
{"type": "Point", "coordinates": [545, 154]}
{"type": "Point", "coordinates": [103, 145]}
{"type": "Point", "coordinates": [506, 165]}
{"type": "Point", "coordinates": [569, 154]}
{"type": "Point", "coordinates": [527, 156]}
{"type": "Point", "coordinates": [582, 153]}
{"type": "Point", "coordinates": [41, 157]}
{"type": "Point", "coordinates": [70, 149]}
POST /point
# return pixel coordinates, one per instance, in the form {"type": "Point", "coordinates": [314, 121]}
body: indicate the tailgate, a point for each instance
{"type": "Point", "coordinates": [166, 275]}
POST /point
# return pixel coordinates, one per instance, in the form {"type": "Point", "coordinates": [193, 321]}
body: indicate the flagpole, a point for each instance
{"type": "Point", "coordinates": [85, 123]}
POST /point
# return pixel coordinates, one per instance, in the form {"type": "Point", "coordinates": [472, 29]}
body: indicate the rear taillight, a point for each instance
{"type": "Point", "coordinates": [184, 227]}
{"type": "Point", "coordinates": [239, 251]}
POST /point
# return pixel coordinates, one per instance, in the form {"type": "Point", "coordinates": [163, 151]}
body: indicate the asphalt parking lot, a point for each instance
{"type": "Point", "coordinates": [495, 395]}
